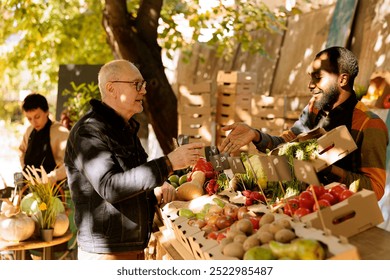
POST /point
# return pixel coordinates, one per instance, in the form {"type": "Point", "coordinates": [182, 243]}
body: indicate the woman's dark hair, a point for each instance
{"type": "Point", "coordinates": [34, 101]}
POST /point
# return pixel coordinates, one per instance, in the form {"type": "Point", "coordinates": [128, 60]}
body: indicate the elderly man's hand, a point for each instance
{"type": "Point", "coordinates": [165, 194]}
{"type": "Point", "coordinates": [185, 155]}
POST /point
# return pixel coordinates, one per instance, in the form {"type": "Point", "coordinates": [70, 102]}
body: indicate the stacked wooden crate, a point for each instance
{"type": "Point", "coordinates": [234, 97]}
{"type": "Point", "coordinates": [293, 108]}
{"type": "Point", "coordinates": [195, 112]}
{"type": "Point", "coordinates": [268, 114]}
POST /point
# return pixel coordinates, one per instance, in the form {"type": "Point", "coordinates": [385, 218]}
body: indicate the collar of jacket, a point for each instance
{"type": "Point", "coordinates": [112, 117]}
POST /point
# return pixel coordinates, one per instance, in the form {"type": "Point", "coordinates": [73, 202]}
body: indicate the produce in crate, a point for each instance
{"type": "Point", "coordinates": [258, 226]}
{"type": "Point", "coordinates": [305, 203]}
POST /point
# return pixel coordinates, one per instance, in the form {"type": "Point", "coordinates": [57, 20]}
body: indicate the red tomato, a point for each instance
{"type": "Point", "coordinates": [329, 197]}
{"type": "Point", "coordinates": [212, 235]}
{"type": "Point", "coordinates": [318, 190]}
{"type": "Point", "coordinates": [248, 202]}
{"type": "Point", "coordinates": [306, 200]}
{"type": "Point", "coordinates": [337, 190]}
{"type": "Point", "coordinates": [257, 196]}
{"type": "Point", "coordinates": [300, 212]}
{"type": "Point", "coordinates": [291, 205]}
{"type": "Point", "coordinates": [345, 194]}
{"type": "Point", "coordinates": [220, 236]}
{"type": "Point", "coordinates": [322, 203]}
{"type": "Point", "coordinates": [255, 222]}
{"type": "Point", "coordinates": [246, 193]}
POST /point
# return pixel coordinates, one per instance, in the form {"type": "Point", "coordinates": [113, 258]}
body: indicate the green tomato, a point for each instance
{"type": "Point", "coordinates": [187, 213]}
{"type": "Point", "coordinates": [174, 179]}
{"type": "Point", "coordinates": [183, 179]}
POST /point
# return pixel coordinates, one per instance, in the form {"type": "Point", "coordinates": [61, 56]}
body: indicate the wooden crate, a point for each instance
{"type": "Point", "coordinates": [237, 88]}
{"type": "Point", "coordinates": [267, 106]}
{"type": "Point", "coordinates": [236, 77]}
{"type": "Point", "coordinates": [243, 114]}
{"type": "Point", "coordinates": [273, 126]}
{"type": "Point", "coordinates": [294, 106]}
{"type": "Point", "coordinates": [244, 101]}
{"type": "Point", "coordinates": [198, 99]}
{"type": "Point", "coordinates": [197, 122]}
{"type": "Point", "coordinates": [226, 98]}
{"type": "Point", "coordinates": [192, 112]}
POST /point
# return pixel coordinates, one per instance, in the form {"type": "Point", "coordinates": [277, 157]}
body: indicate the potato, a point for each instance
{"type": "Point", "coordinates": [285, 223]}
{"type": "Point", "coordinates": [265, 227]}
{"type": "Point", "coordinates": [284, 235]}
{"type": "Point", "coordinates": [267, 219]}
{"type": "Point", "coordinates": [232, 233]}
{"type": "Point", "coordinates": [264, 236]}
{"type": "Point", "coordinates": [224, 242]}
{"type": "Point", "coordinates": [245, 225]}
{"type": "Point", "coordinates": [250, 242]}
{"type": "Point", "coordinates": [234, 249]}
{"type": "Point", "coordinates": [274, 228]}
{"type": "Point", "coordinates": [240, 238]}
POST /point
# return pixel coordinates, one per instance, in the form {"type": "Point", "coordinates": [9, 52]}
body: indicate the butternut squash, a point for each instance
{"type": "Point", "coordinates": [194, 188]}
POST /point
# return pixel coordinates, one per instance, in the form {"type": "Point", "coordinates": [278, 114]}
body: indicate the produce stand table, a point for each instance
{"type": "Point", "coordinates": [372, 244]}
{"type": "Point", "coordinates": [21, 247]}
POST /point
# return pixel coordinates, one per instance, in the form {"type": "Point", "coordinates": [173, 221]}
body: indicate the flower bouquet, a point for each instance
{"type": "Point", "coordinates": [45, 201]}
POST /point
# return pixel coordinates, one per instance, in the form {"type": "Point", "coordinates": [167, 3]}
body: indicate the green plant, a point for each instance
{"type": "Point", "coordinates": [47, 204]}
{"type": "Point", "coordinates": [79, 97]}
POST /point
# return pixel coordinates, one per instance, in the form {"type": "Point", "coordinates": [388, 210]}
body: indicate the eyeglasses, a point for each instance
{"type": "Point", "coordinates": [138, 85]}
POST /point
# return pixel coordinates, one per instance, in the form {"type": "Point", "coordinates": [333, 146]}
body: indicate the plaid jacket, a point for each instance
{"type": "Point", "coordinates": [365, 167]}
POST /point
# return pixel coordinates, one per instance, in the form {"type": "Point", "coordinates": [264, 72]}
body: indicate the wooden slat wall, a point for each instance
{"type": "Point", "coordinates": [306, 35]}
{"type": "Point", "coordinates": [371, 39]}
{"type": "Point", "coordinates": [284, 73]}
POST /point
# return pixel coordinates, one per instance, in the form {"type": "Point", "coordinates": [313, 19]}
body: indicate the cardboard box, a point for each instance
{"type": "Point", "coordinates": [338, 247]}
{"type": "Point", "coordinates": [349, 217]}
{"type": "Point", "coordinates": [333, 146]}
{"type": "Point", "coordinates": [200, 245]}
{"type": "Point", "coordinates": [183, 231]}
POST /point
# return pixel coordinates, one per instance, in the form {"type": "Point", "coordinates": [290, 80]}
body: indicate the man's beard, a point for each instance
{"type": "Point", "coordinates": [328, 99]}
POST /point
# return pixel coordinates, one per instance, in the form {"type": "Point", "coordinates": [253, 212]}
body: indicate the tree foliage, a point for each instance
{"type": "Point", "coordinates": [224, 25]}
{"type": "Point", "coordinates": [40, 35]}
{"type": "Point", "coordinates": [46, 33]}
{"type": "Point", "coordinates": [37, 36]}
